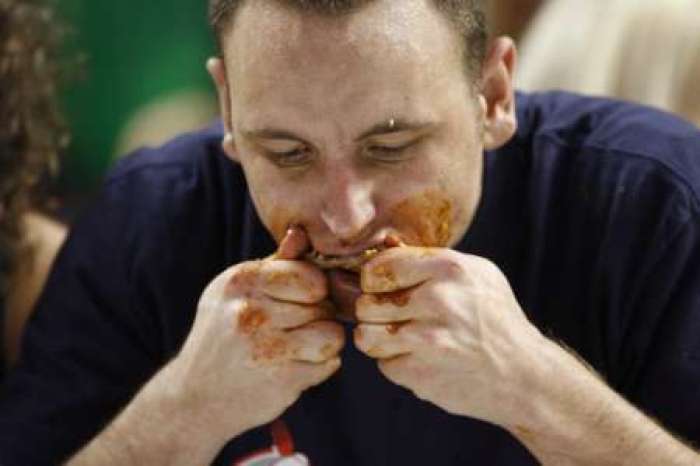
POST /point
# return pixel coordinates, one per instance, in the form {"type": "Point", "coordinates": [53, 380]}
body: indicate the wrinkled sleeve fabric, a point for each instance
{"type": "Point", "coordinates": [666, 384]}
{"type": "Point", "coordinates": [87, 348]}
{"type": "Point", "coordinates": [117, 306]}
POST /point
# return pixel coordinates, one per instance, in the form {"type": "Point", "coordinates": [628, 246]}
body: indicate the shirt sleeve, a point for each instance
{"type": "Point", "coordinates": [117, 305]}
{"type": "Point", "coordinates": [87, 348]}
{"type": "Point", "coordinates": [666, 382]}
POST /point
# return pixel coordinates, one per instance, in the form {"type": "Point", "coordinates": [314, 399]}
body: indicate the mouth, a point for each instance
{"type": "Point", "coordinates": [351, 263]}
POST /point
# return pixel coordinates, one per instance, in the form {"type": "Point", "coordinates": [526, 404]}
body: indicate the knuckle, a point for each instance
{"type": "Point", "coordinates": [361, 337]}
{"type": "Point", "coordinates": [419, 337]}
{"type": "Point", "coordinates": [294, 274]}
{"type": "Point", "coordinates": [484, 265]}
{"type": "Point", "coordinates": [391, 368]}
{"type": "Point", "coordinates": [398, 298]}
{"type": "Point", "coordinates": [329, 349]}
{"type": "Point", "coordinates": [453, 269]}
{"type": "Point", "coordinates": [332, 333]}
{"type": "Point", "coordinates": [251, 317]}
{"type": "Point", "coordinates": [363, 306]}
{"type": "Point", "coordinates": [269, 348]}
{"type": "Point", "coordinates": [379, 275]}
{"type": "Point", "coordinates": [243, 278]}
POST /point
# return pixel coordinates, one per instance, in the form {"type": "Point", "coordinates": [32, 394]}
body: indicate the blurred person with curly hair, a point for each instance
{"type": "Point", "coordinates": [31, 134]}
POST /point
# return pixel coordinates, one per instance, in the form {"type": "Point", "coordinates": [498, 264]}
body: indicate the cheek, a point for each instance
{"type": "Point", "coordinates": [425, 219]}
{"type": "Point", "coordinates": [276, 202]}
{"type": "Point", "coordinates": [277, 220]}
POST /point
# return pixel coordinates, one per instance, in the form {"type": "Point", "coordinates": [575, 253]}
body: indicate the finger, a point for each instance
{"type": "Point", "coordinates": [294, 281]}
{"type": "Point", "coordinates": [316, 342]}
{"type": "Point", "coordinates": [405, 370]}
{"type": "Point", "coordinates": [284, 315]}
{"type": "Point", "coordinates": [306, 374]}
{"type": "Point", "coordinates": [380, 308]}
{"type": "Point", "coordinates": [294, 244]}
{"type": "Point", "coordinates": [405, 267]}
{"type": "Point", "coordinates": [381, 341]}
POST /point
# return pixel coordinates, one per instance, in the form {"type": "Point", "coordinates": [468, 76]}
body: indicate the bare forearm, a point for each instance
{"type": "Point", "coordinates": [159, 427]}
{"type": "Point", "coordinates": [573, 418]}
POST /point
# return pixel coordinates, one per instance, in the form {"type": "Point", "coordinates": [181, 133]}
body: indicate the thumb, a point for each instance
{"type": "Point", "coordinates": [293, 245]}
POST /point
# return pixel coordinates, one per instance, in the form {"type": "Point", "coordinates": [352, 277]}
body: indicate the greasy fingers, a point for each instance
{"type": "Point", "coordinates": [400, 305]}
{"type": "Point", "coordinates": [293, 245]}
{"type": "Point", "coordinates": [293, 281]}
{"type": "Point", "coordinates": [404, 267]}
{"type": "Point", "coordinates": [382, 341]}
{"type": "Point", "coordinates": [305, 375]}
{"type": "Point", "coordinates": [404, 370]}
{"type": "Point", "coordinates": [287, 315]}
{"type": "Point", "coordinates": [316, 342]}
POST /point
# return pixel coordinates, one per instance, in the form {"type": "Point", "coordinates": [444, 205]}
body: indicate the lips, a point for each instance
{"type": "Point", "coordinates": [351, 263]}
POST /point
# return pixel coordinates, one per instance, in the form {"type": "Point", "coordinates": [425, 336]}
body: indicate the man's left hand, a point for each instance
{"type": "Point", "coordinates": [447, 326]}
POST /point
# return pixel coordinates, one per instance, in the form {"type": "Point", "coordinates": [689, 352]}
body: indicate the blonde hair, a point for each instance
{"type": "Point", "coordinates": [646, 51]}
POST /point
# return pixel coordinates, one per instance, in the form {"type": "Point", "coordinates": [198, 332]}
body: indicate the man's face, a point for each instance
{"type": "Point", "coordinates": [357, 127]}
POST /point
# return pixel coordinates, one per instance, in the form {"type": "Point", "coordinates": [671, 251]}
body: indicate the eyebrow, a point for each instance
{"type": "Point", "coordinates": [271, 133]}
{"type": "Point", "coordinates": [398, 126]}
{"type": "Point", "coordinates": [384, 127]}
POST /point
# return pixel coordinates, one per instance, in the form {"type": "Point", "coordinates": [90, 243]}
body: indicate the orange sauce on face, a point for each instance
{"type": "Point", "coordinates": [424, 219]}
{"type": "Point", "coordinates": [279, 221]}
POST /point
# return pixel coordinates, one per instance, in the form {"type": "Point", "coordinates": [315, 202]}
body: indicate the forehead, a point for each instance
{"type": "Point", "coordinates": [389, 48]}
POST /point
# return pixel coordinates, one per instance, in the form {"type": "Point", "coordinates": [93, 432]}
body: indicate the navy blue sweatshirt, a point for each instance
{"type": "Point", "coordinates": [591, 211]}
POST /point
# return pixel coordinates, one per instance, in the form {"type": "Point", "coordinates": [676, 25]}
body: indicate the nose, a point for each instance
{"type": "Point", "coordinates": [348, 208]}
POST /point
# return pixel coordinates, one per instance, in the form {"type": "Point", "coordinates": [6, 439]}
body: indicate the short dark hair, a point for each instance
{"type": "Point", "coordinates": [32, 130]}
{"type": "Point", "coordinates": [467, 16]}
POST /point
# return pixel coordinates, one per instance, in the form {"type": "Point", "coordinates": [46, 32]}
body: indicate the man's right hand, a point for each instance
{"type": "Point", "coordinates": [263, 333]}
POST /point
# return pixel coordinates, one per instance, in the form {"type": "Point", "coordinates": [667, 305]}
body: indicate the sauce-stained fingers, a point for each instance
{"type": "Point", "coordinates": [293, 245]}
{"type": "Point", "coordinates": [405, 267]}
{"type": "Point", "coordinates": [382, 341]}
{"type": "Point", "coordinates": [316, 342]}
{"type": "Point", "coordinates": [282, 315]}
{"type": "Point", "coordinates": [405, 369]}
{"type": "Point", "coordinates": [308, 374]}
{"type": "Point", "coordinates": [393, 306]}
{"type": "Point", "coordinates": [293, 281]}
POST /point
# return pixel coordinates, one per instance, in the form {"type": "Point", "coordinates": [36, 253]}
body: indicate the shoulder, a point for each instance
{"type": "Point", "coordinates": [181, 203]}
{"type": "Point", "coordinates": [625, 142]}
{"type": "Point", "coordinates": [184, 196]}
{"type": "Point", "coordinates": [190, 172]}
{"type": "Point", "coordinates": [577, 120]}
{"type": "Point", "coordinates": [182, 157]}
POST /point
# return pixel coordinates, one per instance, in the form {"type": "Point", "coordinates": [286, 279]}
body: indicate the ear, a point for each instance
{"type": "Point", "coordinates": [217, 71]}
{"type": "Point", "coordinates": [497, 95]}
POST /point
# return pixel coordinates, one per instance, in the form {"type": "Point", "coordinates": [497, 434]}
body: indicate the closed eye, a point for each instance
{"type": "Point", "coordinates": [291, 158]}
{"type": "Point", "coordinates": [390, 153]}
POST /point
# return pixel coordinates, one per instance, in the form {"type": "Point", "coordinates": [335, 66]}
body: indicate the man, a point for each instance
{"type": "Point", "coordinates": [360, 128]}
